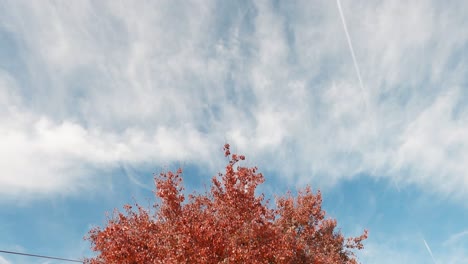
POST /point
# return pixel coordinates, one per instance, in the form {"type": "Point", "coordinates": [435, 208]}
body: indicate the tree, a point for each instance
{"type": "Point", "coordinates": [228, 224]}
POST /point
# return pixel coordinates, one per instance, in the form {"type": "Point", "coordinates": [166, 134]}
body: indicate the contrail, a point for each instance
{"type": "Point", "coordinates": [358, 72]}
{"type": "Point", "coordinates": [430, 251]}
{"type": "Point", "coordinates": [370, 114]}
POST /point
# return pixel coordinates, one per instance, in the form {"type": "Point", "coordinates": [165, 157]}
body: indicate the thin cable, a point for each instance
{"type": "Point", "coordinates": [39, 256]}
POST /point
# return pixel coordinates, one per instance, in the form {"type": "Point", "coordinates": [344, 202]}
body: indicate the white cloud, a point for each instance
{"type": "Point", "coordinates": [456, 238]}
{"type": "Point", "coordinates": [43, 156]}
{"type": "Point", "coordinates": [434, 147]}
{"type": "Point", "coordinates": [103, 83]}
{"type": "Point", "coordinates": [4, 261]}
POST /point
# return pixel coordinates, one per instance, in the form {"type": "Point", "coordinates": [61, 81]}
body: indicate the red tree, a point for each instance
{"type": "Point", "coordinates": [229, 224]}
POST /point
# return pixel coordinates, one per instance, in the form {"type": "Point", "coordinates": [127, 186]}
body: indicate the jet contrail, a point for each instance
{"type": "Point", "coordinates": [358, 72]}
{"type": "Point", "coordinates": [430, 251]}
{"type": "Point", "coordinates": [370, 113]}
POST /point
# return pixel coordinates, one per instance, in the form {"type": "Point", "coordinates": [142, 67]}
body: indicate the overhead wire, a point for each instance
{"type": "Point", "coordinates": [40, 256]}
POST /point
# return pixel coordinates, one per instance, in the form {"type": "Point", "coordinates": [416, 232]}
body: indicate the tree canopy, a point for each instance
{"type": "Point", "coordinates": [230, 223]}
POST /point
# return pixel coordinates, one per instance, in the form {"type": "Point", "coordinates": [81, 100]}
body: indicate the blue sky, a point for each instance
{"type": "Point", "coordinates": [366, 100]}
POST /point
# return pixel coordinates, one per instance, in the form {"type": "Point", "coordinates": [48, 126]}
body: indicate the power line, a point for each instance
{"type": "Point", "coordinates": [39, 256]}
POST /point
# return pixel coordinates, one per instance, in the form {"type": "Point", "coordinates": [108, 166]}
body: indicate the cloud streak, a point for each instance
{"type": "Point", "coordinates": [353, 55]}
{"type": "Point", "coordinates": [430, 251]}
{"type": "Point", "coordinates": [455, 238]}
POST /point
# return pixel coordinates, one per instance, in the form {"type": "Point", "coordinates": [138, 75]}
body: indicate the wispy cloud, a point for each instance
{"type": "Point", "coordinates": [455, 238]}
{"type": "Point", "coordinates": [86, 86]}
{"type": "Point", "coordinates": [128, 171]}
{"type": "Point", "coordinates": [4, 261]}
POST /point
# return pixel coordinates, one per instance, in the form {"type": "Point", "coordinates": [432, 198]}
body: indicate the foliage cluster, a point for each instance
{"type": "Point", "coordinates": [228, 224]}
